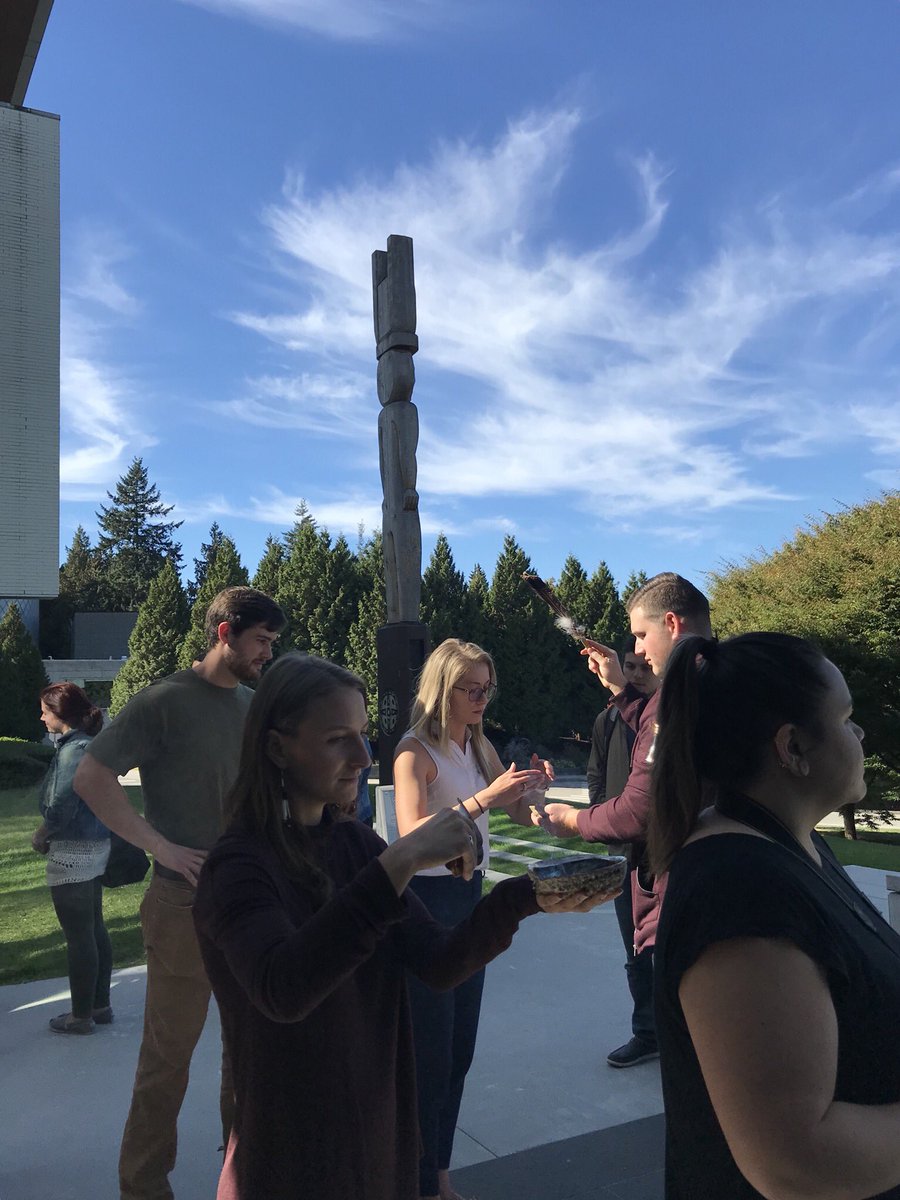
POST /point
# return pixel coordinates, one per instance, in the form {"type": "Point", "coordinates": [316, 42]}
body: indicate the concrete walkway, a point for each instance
{"type": "Point", "coordinates": [542, 1117]}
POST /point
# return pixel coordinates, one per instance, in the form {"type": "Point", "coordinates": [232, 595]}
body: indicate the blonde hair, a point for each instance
{"type": "Point", "coordinates": [430, 718]}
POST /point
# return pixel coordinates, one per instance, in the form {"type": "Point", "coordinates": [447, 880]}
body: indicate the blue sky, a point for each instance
{"type": "Point", "coordinates": [657, 260]}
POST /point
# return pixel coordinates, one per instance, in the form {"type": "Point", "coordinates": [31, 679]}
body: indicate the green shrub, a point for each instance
{"type": "Point", "coordinates": [22, 764]}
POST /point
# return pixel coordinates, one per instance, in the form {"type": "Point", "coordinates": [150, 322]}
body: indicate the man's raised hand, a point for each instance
{"type": "Point", "coordinates": [604, 662]}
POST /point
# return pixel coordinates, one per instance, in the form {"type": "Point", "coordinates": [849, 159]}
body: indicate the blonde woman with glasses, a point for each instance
{"type": "Point", "coordinates": [443, 761]}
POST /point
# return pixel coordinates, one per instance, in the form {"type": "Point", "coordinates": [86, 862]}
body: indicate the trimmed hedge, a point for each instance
{"type": "Point", "coordinates": [23, 764]}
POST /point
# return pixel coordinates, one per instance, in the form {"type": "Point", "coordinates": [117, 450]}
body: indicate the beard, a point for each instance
{"type": "Point", "coordinates": [245, 670]}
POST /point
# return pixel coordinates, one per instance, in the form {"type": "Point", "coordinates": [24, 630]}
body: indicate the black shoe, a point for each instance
{"type": "Point", "coordinates": [66, 1023]}
{"type": "Point", "coordinates": [103, 1016]}
{"type": "Point", "coordinates": [633, 1052]}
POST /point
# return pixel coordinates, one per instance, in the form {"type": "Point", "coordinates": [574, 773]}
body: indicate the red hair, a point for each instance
{"type": "Point", "coordinates": [73, 707]}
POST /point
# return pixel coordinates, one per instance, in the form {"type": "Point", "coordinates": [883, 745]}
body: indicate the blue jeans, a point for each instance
{"type": "Point", "coordinates": [445, 1025]}
{"type": "Point", "coordinates": [638, 969]}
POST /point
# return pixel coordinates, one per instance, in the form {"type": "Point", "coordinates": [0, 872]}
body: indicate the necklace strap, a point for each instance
{"type": "Point", "coordinates": [749, 812]}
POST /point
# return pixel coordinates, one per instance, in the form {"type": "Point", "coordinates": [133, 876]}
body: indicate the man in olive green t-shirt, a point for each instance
{"type": "Point", "coordinates": [184, 733]}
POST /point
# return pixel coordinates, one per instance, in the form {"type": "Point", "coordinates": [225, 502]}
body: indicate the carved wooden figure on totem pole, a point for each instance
{"type": "Point", "coordinates": [394, 297]}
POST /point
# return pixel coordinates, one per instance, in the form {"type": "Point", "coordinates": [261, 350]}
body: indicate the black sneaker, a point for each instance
{"type": "Point", "coordinates": [66, 1023]}
{"type": "Point", "coordinates": [633, 1052]}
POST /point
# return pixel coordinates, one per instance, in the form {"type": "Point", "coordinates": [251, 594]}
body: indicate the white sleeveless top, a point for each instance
{"type": "Point", "coordinates": [458, 777]}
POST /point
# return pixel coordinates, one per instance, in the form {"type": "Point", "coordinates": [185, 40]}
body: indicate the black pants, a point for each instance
{"type": "Point", "coordinates": [445, 1025]}
{"type": "Point", "coordinates": [638, 969]}
{"type": "Point", "coordinates": [79, 907]}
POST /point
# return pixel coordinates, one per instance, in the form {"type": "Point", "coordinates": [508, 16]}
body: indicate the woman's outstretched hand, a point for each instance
{"type": "Point", "coordinates": [513, 784]}
{"type": "Point", "coordinates": [449, 838]}
{"type": "Point", "coordinates": [575, 902]}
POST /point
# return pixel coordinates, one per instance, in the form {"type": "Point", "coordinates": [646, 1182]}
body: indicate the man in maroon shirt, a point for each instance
{"type": "Point", "coordinates": [664, 609]}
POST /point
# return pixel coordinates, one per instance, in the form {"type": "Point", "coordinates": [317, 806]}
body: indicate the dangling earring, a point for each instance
{"type": "Point", "coordinates": [285, 806]}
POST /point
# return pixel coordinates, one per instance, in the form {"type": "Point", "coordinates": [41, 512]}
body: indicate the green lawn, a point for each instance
{"type": "Point", "coordinates": [33, 944]}
{"type": "Point", "coordinates": [879, 850]}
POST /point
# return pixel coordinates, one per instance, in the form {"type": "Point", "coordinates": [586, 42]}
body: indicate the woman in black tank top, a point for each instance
{"type": "Point", "coordinates": [778, 983]}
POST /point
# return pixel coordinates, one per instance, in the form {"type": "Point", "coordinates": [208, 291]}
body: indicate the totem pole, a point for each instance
{"type": "Point", "coordinates": [403, 642]}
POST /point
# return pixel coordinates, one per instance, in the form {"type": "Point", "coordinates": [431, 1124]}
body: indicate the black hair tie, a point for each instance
{"type": "Point", "coordinates": [710, 649]}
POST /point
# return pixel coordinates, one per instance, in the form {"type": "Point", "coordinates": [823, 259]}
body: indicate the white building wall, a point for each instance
{"type": "Point", "coordinates": [29, 353]}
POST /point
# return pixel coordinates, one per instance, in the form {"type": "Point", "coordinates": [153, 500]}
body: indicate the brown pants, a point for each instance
{"type": "Point", "coordinates": [178, 995]}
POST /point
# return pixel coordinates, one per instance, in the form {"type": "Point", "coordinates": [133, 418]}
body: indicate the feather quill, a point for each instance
{"type": "Point", "coordinates": [564, 619]}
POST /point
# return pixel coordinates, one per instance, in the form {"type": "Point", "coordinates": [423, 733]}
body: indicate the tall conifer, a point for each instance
{"type": "Point", "coordinates": [202, 564]}
{"type": "Point", "coordinates": [155, 640]}
{"type": "Point", "coordinates": [527, 652]}
{"type": "Point", "coordinates": [135, 539]}
{"type": "Point", "coordinates": [22, 676]}
{"type": "Point", "coordinates": [443, 594]}
{"type": "Point", "coordinates": [268, 572]}
{"type": "Point", "coordinates": [371, 614]}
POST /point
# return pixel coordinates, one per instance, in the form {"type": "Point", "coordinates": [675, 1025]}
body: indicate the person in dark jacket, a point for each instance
{"type": "Point", "coordinates": [77, 847]}
{"type": "Point", "coordinates": [667, 607]}
{"type": "Point", "coordinates": [307, 926]}
{"type": "Point", "coordinates": [612, 742]}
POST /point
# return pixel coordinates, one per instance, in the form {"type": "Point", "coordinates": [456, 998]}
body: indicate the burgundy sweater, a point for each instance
{"type": "Point", "coordinates": [315, 1012]}
{"type": "Point", "coordinates": [624, 817]}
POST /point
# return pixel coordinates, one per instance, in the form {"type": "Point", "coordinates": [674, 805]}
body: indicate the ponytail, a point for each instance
{"type": "Point", "coordinates": [720, 707]}
{"type": "Point", "coordinates": [93, 721]}
{"type": "Point", "coordinates": [677, 782]}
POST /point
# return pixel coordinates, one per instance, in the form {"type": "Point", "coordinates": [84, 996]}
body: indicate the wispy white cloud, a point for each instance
{"type": "Point", "coordinates": [880, 422]}
{"type": "Point", "coordinates": [345, 20]}
{"type": "Point", "coordinates": [99, 402]}
{"type": "Point", "coordinates": [341, 402]}
{"type": "Point", "coordinates": [277, 508]}
{"type": "Point", "coordinates": [97, 255]}
{"type": "Point", "coordinates": [570, 370]}
{"type": "Point", "coordinates": [99, 432]}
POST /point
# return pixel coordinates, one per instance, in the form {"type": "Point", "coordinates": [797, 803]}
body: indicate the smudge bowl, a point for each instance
{"type": "Point", "coordinates": [589, 873]}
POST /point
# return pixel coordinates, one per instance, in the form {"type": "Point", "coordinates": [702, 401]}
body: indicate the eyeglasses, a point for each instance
{"type": "Point", "coordinates": [477, 694]}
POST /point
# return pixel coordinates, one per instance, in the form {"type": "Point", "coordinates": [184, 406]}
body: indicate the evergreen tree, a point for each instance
{"type": "Point", "coordinates": [362, 652]}
{"type": "Point", "coordinates": [572, 589]}
{"type": "Point", "coordinates": [268, 572]}
{"type": "Point", "coordinates": [338, 600]}
{"type": "Point", "coordinates": [526, 648]}
{"type": "Point", "coordinates": [158, 633]}
{"type": "Point", "coordinates": [605, 615]}
{"type": "Point", "coordinates": [81, 575]}
{"type": "Point", "coordinates": [476, 611]}
{"type": "Point", "coordinates": [300, 580]}
{"type": "Point", "coordinates": [223, 570]}
{"type": "Point", "coordinates": [584, 698]}
{"type": "Point", "coordinates": [22, 676]}
{"type": "Point", "coordinates": [82, 588]}
{"type": "Point", "coordinates": [136, 541]}
{"type": "Point", "coordinates": [635, 580]}
{"type": "Point", "coordinates": [443, 594]}
{"type": "Point", "coordinates": [202, 564]}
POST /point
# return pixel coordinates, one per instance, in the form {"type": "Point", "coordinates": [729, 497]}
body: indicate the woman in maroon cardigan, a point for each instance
{"type": "Point", "coordinates": [306, 927]}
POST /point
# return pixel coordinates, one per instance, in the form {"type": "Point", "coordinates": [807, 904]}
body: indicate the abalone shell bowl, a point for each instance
{"type": "Point", "coordinates": [589, 873]}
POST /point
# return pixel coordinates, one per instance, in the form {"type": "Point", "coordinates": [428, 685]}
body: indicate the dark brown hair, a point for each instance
{"type": "Point", "coordinates": [73, 707]}
{"type": "Point", "coordinates": [668, 592]}
{"type": "Point", "coordinates": [242, 608]}
{"type": "Point", "coordinates": [720, 707]}
{"type": "Point", "coordinates": [287, 692]}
